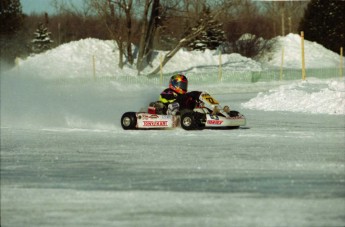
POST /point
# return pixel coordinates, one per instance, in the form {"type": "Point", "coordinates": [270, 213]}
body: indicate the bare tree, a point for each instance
{"type": "Point", "coordinates": [114, 24]}
{"type": "Point", "coordinates": [127, 8]}
{"type": "Point", "coordinates": [285, 15]}
{"type": "Point", "coordinates": [188, 38]}
{"type": "Point", "coordinates": [143, 35]}
{"type": "Point", "coordinates": [84, 9]}
{"type": "Point", "coordinates": [192, 9]}
{"type": "Point", "coordinates": [151, 26]}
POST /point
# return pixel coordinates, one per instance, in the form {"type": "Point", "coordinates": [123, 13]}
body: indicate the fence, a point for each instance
{"type": "Point", "coordinates": [213, 77]}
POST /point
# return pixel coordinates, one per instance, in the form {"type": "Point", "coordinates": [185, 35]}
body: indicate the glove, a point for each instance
{"type": "Point", "coordinates": [173, 108]}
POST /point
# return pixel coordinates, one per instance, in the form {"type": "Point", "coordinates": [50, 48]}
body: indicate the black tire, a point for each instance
{"type": "Point", "coordinates": [190, 121]}
{"type": "Point", "coordinates": [234, 113]}
{"type": "Point", "coordinates": [129, 120]}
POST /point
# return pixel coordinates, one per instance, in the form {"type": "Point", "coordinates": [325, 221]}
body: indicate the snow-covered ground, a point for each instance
{"type": "Point", "coordinates": [65, 160]}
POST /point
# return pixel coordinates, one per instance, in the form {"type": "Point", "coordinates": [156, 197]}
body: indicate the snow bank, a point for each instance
{"type": "Point", "coordinates": [312, 96]}
{"type": "Point", "coordinates": [75, 60]}
{"type": "Point", "coordinates": [316, 56]}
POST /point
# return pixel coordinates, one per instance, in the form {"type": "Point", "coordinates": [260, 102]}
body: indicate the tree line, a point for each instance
{"type": "Point", "coordinates": [153, 25]}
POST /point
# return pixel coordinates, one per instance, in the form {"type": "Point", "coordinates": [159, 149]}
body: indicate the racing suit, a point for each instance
{"type": "Point", "coordinates": [175, 101]}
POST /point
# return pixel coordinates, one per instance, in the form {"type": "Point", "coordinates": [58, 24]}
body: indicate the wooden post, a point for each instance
{"type": "Point", "coordinates": [341, 63]}
{"type": "Point", "coordinates": [16, 62]}
{"type": "Point", "coordinates": [220, 71]}
{"type": "Point", "coordinates": [303, 59]}
{"type": "Point", "coordinates": [282, 64]}
{"type": "Point", "coordinates": [94, 67]}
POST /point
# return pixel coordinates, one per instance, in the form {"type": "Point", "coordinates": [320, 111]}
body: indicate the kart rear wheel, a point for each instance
{"type": "Point", "coordinates": [234, 113]}
{"type": "Point", "coordinates": [189, 121]}
{"type": "Point", "coordinates": [128, 120]}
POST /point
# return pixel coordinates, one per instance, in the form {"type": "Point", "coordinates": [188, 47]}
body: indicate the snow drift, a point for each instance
{"type": "Point", "coordinates": [316, 56]}
{"type": "Point", "coordinates": [312, 96]}
{"type": "Point", "coordinates": [75, 60]}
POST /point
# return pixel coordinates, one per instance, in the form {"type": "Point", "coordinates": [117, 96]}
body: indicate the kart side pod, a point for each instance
{"type": "Point", "coordinates": [132, 120]}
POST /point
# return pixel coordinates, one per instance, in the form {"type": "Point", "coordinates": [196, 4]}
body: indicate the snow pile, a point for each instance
{"type": "Point", "coordinates": [316, 56]}
{"type": "Point", "coordinates": [78, 58]}
{"type": "Point", "coordinates": [312, 96]}
{"type": "Point", "coordinates": [74, 59]}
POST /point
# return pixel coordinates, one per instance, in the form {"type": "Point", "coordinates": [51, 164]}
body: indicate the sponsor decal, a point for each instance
{"type": "Point", "coordinates": [148, 116]}
{"type": "Point", "coordinates": [156, 123]}
{"type": "Point", "coordinates": [214, 122]}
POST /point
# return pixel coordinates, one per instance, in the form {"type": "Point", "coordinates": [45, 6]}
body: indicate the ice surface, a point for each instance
{"type": "Point", "coordinates": [286, 170]}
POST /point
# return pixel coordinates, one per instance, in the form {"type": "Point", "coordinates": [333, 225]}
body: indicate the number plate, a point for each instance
{"type": "Point", "coordinates": [210, 99]}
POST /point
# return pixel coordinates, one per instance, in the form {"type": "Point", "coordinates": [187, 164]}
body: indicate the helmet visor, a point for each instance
{"type": "Point", "coordinates": [181, 85]}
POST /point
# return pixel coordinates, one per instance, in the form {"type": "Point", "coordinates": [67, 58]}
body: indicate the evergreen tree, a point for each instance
{"type": "Point", "coordinates": [210, 38]}
{"type": "Point", "coordinates": [324, 23]}
{"type": "Point", "coordinates": [11, 16]}
{"type": "Point", "coordinates": [42, 40]}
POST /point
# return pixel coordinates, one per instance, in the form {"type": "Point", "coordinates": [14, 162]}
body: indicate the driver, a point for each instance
{"type": "Point", "coordinates": [176, 96]}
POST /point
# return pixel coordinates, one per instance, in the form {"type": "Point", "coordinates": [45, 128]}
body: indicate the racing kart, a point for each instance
{"type": "Point", "coordinates": [206, 113]}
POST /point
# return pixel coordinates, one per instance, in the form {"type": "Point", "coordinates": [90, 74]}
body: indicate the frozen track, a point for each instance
{"type": "Point", "coordinates": [286, 170]}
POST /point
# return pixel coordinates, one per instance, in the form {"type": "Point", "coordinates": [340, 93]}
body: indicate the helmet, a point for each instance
{"type": "Point", "coordinates": [179, 83]}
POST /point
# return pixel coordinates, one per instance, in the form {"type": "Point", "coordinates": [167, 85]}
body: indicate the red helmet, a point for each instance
{"type": "Point", "coordinates": [179, 83]}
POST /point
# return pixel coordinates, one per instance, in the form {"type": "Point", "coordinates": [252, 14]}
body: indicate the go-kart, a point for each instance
{"type": "Point", "coordinates": [206, 113]}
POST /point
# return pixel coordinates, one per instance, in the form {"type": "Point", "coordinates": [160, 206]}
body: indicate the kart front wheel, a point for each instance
{"type": "Point", "coordinates": [189, 121]}
{"type": "Point", "coordinates": [128, 120]}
